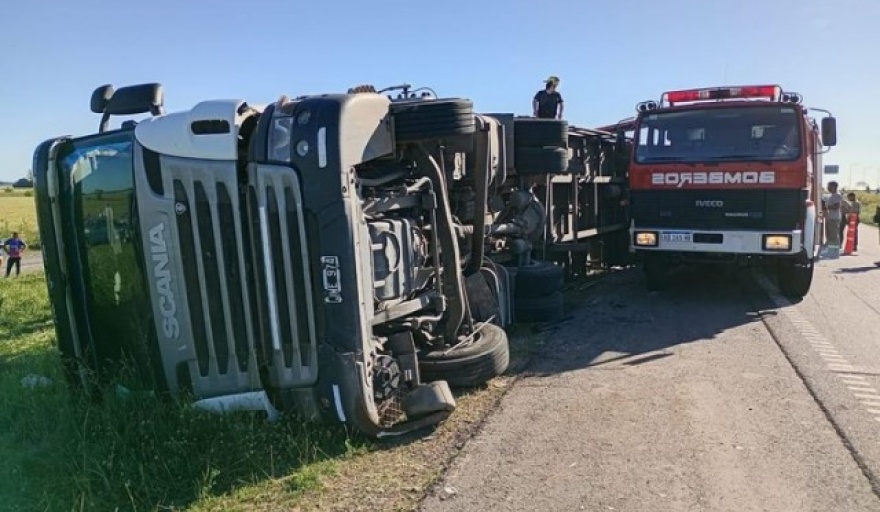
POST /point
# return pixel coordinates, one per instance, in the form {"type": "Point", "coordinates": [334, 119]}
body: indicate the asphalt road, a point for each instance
{"type": "Point", "coordinates": [32, 261]}
{"type": "Point", "coordinates": [716, 394]}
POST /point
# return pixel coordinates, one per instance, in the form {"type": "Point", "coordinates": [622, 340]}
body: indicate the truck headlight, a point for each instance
{"type": "Point", "coordinates": [279, 139]}
{"type": "Point", "coordinates": [646, 238]}
{"type": "Point", "coordinates": [777, 242]}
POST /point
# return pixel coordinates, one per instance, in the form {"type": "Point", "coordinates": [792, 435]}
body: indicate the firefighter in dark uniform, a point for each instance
{"type": "Point", "coordinates": [547, 103]}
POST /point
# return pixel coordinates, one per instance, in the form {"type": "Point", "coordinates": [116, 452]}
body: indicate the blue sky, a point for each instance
{"type": "Point", "coordinates": [609, 55]}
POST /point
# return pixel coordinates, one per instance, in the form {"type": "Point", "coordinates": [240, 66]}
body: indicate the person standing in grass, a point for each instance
{"type": "Point", "coordinates": [14, 246]}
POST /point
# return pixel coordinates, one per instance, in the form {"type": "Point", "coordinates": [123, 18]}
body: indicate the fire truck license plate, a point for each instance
{"type": "Point", "coordinates": [677, 237]}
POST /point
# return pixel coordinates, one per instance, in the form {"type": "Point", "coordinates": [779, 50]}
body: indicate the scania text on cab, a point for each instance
{"type": "Point", "coordinates": [730, 174]}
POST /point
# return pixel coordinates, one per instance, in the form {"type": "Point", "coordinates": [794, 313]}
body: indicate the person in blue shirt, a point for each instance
{"type": "Point", "coordinates": [14, 246]}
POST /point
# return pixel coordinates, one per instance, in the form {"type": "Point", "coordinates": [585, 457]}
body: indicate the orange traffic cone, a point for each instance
{"type": "Point", "coordinates": [852, 226]}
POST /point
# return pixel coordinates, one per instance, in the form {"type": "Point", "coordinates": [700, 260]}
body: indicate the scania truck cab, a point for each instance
{"type": "Point", "coordinates": [729, 174]}
{"type": "Point", "coordinates": [333, 254]}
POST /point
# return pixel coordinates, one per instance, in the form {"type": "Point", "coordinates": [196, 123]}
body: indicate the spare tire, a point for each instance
{"type": "Point", "coordinates": [470, 365]}
{"type": "Point", "coordinates": [420, 120]}
{"type": "Point", "coordinates": [540, 132]}
{"type": "Point", "coordinates": [538, 279]}
{"type": "Point", "coordinates": [527, 160]}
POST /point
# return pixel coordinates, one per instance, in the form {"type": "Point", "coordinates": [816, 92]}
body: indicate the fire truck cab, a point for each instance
{"type": "Point", "coordinates": [729, 174]}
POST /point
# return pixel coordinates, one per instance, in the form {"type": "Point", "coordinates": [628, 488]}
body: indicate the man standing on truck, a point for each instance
{"type": "Point", "coordinates": [14, 247]}
{"type": "Point", "coordinates": [547, 103]}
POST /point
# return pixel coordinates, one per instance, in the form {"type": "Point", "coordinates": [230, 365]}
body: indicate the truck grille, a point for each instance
{"type": "Point", "coordinates": [287, 340]}
{"type": "Point", "coordinates": [211, 243]}
{"type": "Point", "coordinates": [766, 210]}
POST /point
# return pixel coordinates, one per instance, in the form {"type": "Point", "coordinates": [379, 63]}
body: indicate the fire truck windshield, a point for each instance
{"type": "Point", "coordinates": [759, 133]}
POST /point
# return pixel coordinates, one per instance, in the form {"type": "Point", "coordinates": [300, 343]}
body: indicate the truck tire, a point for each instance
{"type": "Point", "coordinates": [795, 278]}
{"type": "Point", "coordinates": [540, 133]}
{"type": "Point", "coordinates": [548, 160]}
{"type": "Point", "coordinates": [471, 365]}
{"type": "Point", "coordinates": [538, 309]}
{"type": "Point", "coordinates": [420, 120]}
{"type": "Point", "coordinates": [538, 279]}
{"type": "Point", "coordinates": [656, 271]}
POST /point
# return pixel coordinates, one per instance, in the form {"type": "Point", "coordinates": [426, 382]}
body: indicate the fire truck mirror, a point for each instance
{"type": "Point", "coordinates": [829, 131]}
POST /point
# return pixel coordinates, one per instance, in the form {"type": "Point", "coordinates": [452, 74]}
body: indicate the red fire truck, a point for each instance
{"type": "Point", "coordinates": [729, 174]}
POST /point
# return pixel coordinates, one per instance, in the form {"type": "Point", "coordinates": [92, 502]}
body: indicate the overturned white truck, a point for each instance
{"type": "Point", "coordinates": [346, 256]}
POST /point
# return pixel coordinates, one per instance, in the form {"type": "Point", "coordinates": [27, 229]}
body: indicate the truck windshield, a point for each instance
{"type": "Point", "coordinates": [98, 209]}
{"type": "Point", "coordinates": [720, 134]}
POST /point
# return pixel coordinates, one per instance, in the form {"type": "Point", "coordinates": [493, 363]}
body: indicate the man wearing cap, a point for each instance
{"type": "Point", "coordinates": [548, 102]}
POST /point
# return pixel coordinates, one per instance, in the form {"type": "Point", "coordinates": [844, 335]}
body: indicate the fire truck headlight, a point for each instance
{"type": "Point", "coordinates": [777, 242]}
{"type": "Point", "coordinates": [646, 238]}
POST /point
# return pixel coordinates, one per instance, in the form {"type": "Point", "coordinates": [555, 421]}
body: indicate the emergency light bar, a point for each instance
{"type": "Point", "coordinates": [772, 92]}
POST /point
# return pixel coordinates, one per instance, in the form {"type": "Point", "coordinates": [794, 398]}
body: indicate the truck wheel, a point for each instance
{"type": "Point", "coordinates": [549, 160]}
{"type": "Point", "coordinates": [655, 272]}
{"type": "Point", "coordinates": [470, 365]}
{"type": "Point", "coordinates": [538, 279]}
{"type": "Point", "coordinates": [540, 132]}
{"type": "Point", "coordinates": [795, 278]}
{"type": "Point", "coordinates": [538, 309]}
{"type": "Point", "coordinates": [419, 120]}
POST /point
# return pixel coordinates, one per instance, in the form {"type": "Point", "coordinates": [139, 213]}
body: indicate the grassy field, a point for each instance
{"type": "Point", "coordinates": [870, 202]}
{"type": "Point", "coordinates": [17, 213]}
{"type": "Point", "coordinates": [59, 451]}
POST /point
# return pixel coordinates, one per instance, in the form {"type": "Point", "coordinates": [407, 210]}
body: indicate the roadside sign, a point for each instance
{"type": "Point", "coordinates": [832, 169]}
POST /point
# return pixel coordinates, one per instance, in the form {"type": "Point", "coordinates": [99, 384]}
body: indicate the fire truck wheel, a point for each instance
{"type": "Point", "coordinates": [540, 132]}
{"type": "Point", "coordinates": [420, 120]}
{"type": "Point", "coordinates": [549, 160]}
{"type": "Point", "coordinates": [538, 279]}
{"type": "Point", "coordinates": [795, 278]}
{"type": "Point", "coordinates": [656, 271]}
{"type": "Point", "coordinates": [469, 365]}
{"type": "Point", "coordinates": [538, 309]}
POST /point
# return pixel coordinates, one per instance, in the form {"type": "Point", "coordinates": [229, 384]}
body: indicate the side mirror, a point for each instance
{"type": "Point", "coordinates": [829, 131]}
{"type": "Point", "coordinates": [100, 97]}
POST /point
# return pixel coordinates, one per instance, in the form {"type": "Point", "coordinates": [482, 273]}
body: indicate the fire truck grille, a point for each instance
{"type": "Point", "coordinates": [766, 210]}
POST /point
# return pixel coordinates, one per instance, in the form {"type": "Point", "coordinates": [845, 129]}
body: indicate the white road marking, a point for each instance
{"type": "Point", "coordinates": [863, 389]}
{"type": "Point", "coordinates": [857, 384]}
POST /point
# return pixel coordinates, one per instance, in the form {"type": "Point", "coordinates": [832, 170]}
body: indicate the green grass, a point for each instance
{"type": "Point", "coordinates": [18, 213]}
{"type": "Point", "coordinates": [870, 202]}
{"type": "Point", "coordinates": [60, 451]}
